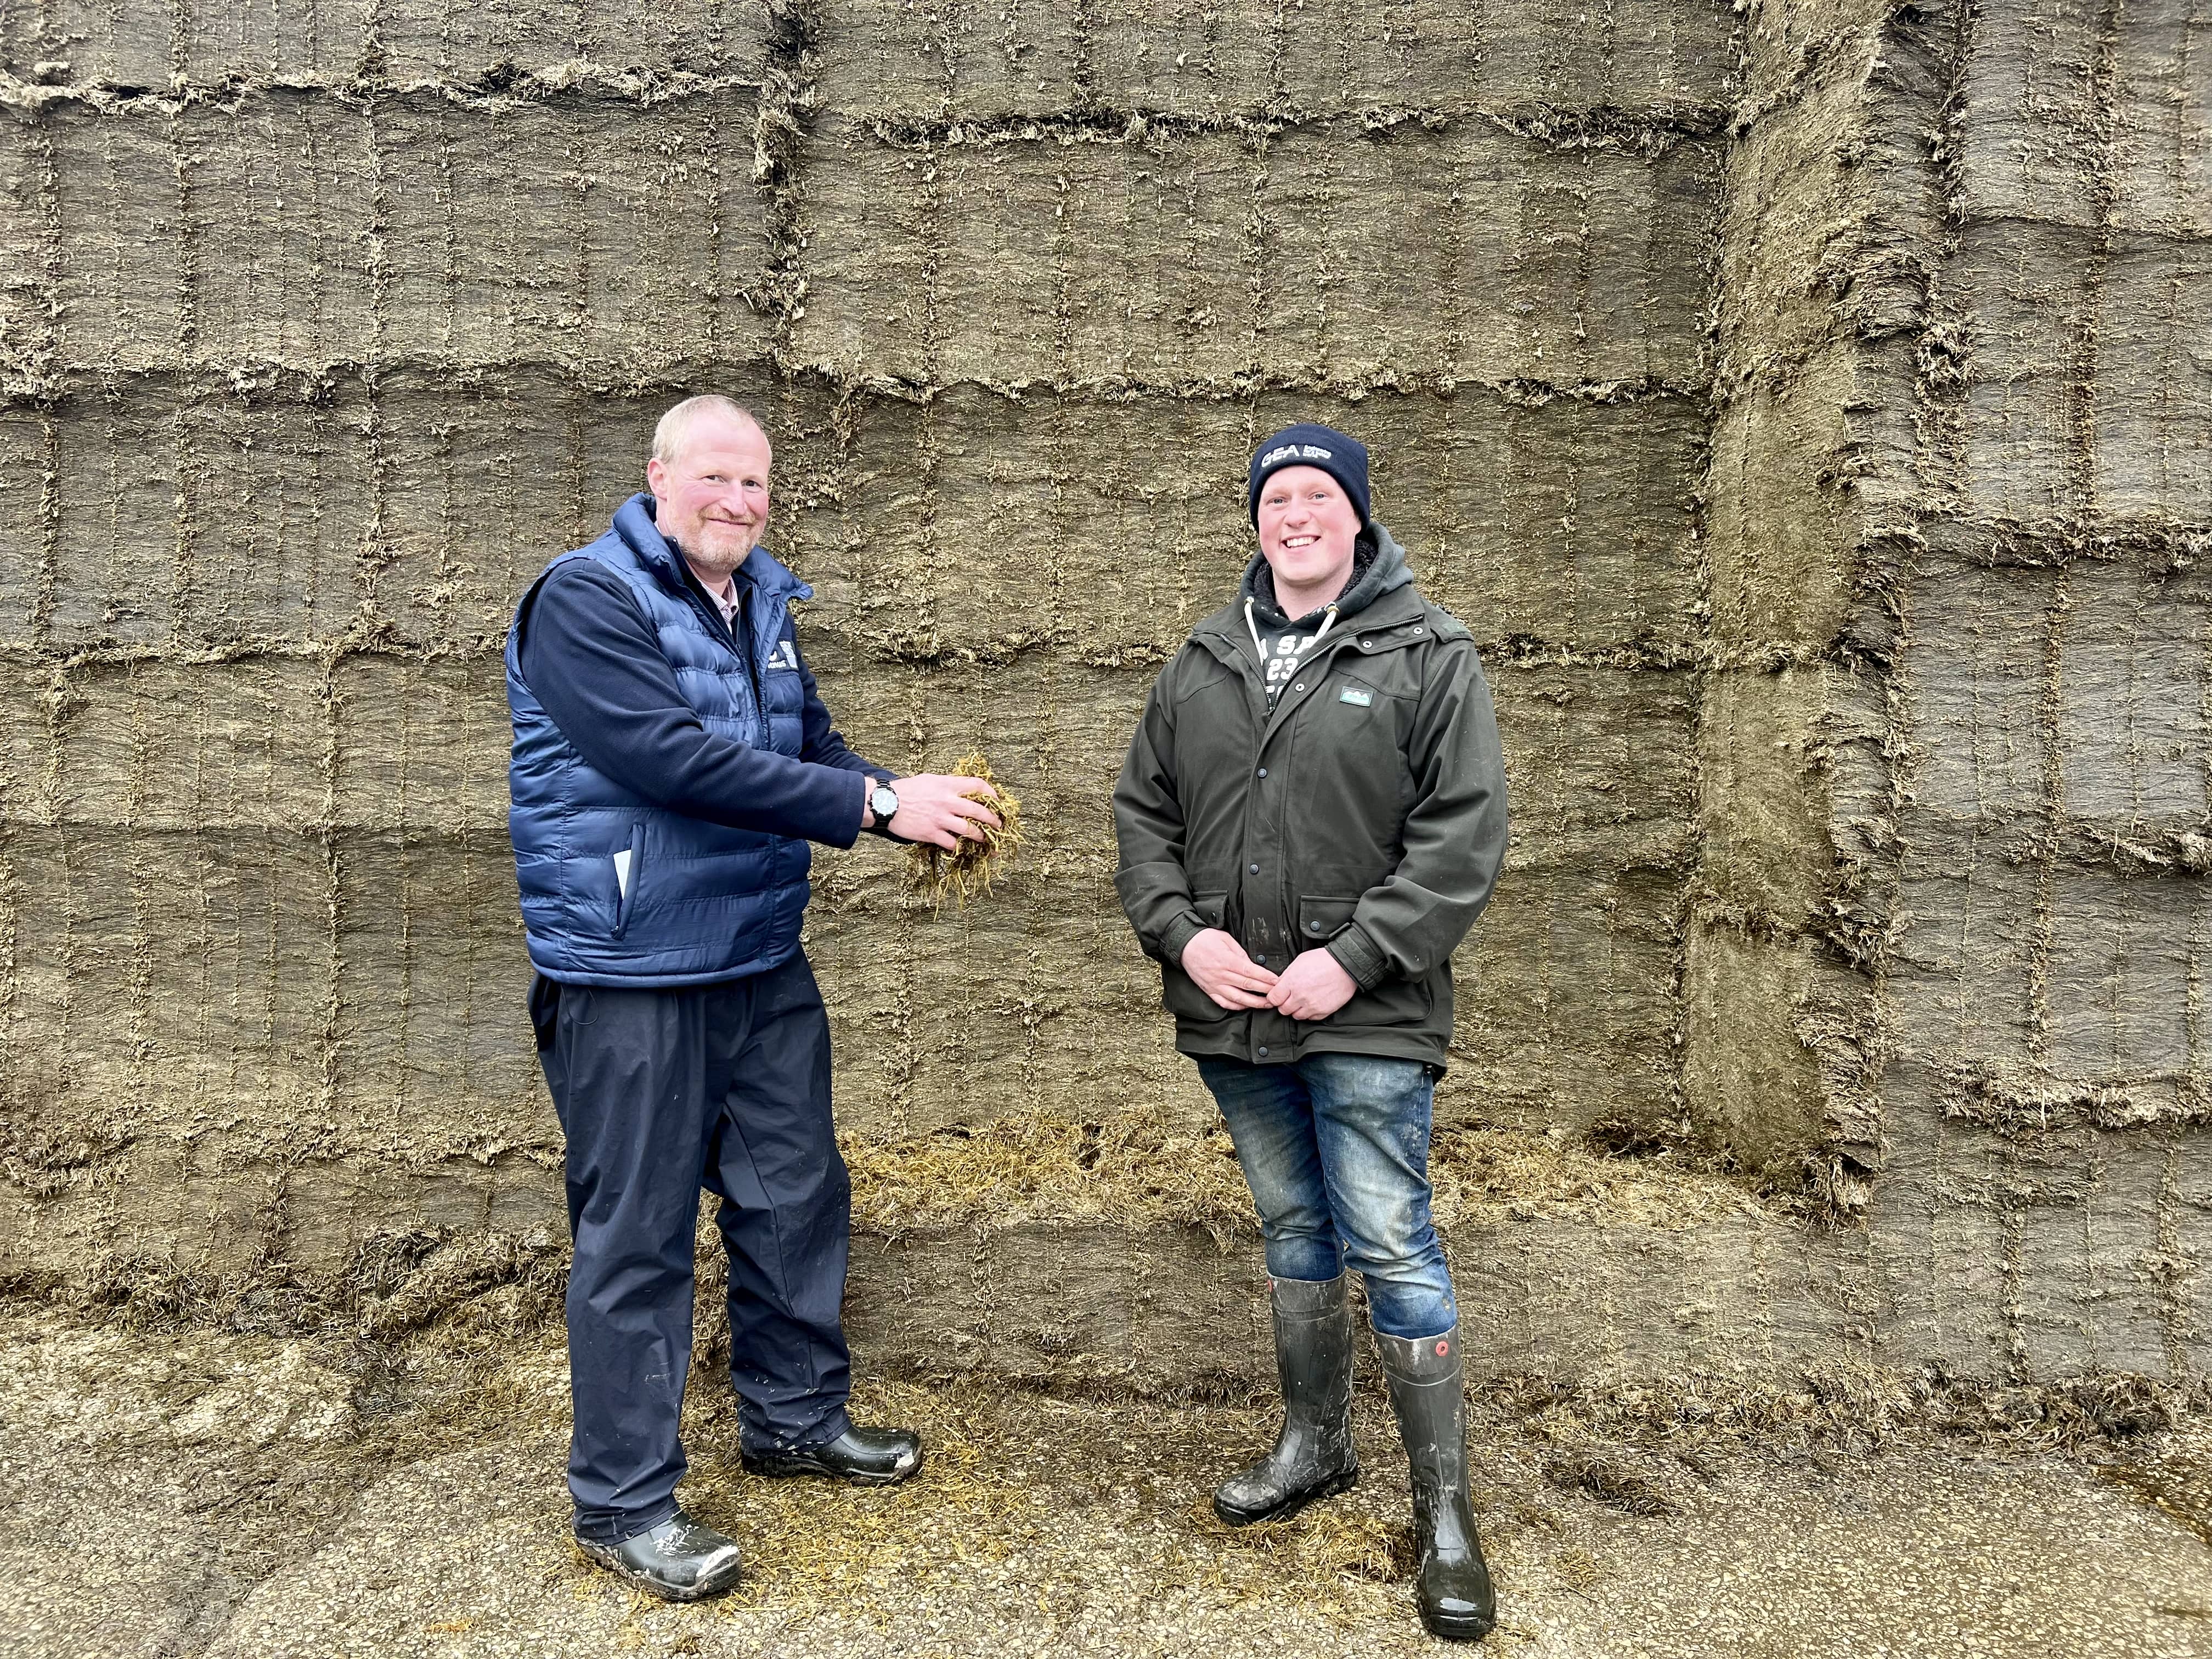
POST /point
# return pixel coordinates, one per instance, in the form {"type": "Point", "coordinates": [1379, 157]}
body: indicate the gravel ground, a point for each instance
{"type": "Point", "coordinates": [243, 1495]}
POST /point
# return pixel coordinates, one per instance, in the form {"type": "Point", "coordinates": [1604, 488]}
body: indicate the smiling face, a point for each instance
{"type": "Point", "coordinates": [713, 497]}
{"type": "Point", "coordinates": [1308, 530]}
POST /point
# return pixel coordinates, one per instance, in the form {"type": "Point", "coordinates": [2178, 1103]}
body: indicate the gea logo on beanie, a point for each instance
{"type": "Point", "coordinates": [1304, 452]}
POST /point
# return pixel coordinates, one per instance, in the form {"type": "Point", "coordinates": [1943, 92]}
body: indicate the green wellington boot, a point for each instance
{"type": "Point", "coordinates": [1313, 1456]}
{"type": "Point", "coordinates": [1452, 1581]}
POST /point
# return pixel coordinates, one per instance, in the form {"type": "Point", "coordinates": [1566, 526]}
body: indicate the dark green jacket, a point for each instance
{"type": "Point", "coordinates": [1366, 814]}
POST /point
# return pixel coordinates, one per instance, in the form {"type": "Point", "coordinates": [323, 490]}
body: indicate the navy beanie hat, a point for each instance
{"type": "Point", "coordinates": [1344, 459]}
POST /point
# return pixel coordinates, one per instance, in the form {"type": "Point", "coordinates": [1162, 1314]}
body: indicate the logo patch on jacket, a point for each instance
{"type": "Point", "coordinates": [785, 655]}
{"type": "Point", "coordinates": [1358, 697]}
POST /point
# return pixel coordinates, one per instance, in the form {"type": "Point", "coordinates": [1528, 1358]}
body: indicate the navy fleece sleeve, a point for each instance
{"type": "Point", "coordinates": [821, 743]}
{"type": "Point", "coordinates": [593, 661]}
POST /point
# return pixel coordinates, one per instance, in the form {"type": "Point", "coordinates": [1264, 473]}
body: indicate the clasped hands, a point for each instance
{"type": "Point", "coordinates": [1314, 987]}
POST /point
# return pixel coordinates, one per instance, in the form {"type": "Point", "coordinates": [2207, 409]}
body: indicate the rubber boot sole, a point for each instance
{"type": "Point", "coordinates": [1456, 1629]}
{"type": "Point", "coordinates": [1290, 1506]}
{"type": "Point", "coordinates": [612, 1563]}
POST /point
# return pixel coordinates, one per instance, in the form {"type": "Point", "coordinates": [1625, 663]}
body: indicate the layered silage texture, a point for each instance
{"type": "Point", "coordinates": [1819, 468]}
{"type": "Point", "coordinates": [1953, 903]}
{"type": "Point", "coordinates": [322, 338]}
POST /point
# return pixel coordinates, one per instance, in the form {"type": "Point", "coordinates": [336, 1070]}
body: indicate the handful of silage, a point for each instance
{"type": "Point", "coordinates": [937, 875]}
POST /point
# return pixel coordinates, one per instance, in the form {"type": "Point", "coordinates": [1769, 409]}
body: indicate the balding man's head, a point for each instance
{"type": "Point", "coordinates": [709, 408]}
{"type": "Point", "coordinates": [709, 475]}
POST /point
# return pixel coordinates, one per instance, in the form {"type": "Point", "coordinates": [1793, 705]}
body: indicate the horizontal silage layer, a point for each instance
{"type": "Point", "coordinates": [2042, 1250]}
{"type": "Point", "coordinates": [158, 511]}
{"type": "Point", "coordinates": [2086, 116]}
{"type": "Point", "coordinates": [382, 230]}
{"type": "Point", "coordinates": [592, 230]}
{"type": "Point", "coordinates": [895, 57]}
{"type": "Point", "coordinates": [151, 43]}
{"type": "Point", "coordinates": [967, 59]}
{"type": "Point", "coordinates": [1327, 254]}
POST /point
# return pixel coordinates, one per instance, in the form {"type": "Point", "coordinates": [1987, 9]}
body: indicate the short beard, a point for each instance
{"type": "Point", "coordinates": [708, 548]}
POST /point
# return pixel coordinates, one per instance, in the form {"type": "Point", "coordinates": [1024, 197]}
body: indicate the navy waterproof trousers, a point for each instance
{"type": "Point", "coordinates": [661, 1092]}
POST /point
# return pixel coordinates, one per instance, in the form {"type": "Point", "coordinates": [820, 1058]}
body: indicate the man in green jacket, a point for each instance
{"type": "Point", "coordinates": [1312, 817]}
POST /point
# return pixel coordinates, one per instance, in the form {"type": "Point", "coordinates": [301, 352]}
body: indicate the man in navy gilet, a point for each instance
{"type": "Point", "coordinates": [671, 762]}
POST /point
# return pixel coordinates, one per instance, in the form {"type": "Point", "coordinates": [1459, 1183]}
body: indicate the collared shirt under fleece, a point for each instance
{"type": "Point", "coordinates": [1364, 813]}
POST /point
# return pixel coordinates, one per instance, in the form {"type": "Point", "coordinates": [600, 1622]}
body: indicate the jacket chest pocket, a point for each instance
{"type": "Point", "coordinates": [1322, 917]}
{"type": "Point", "coordinates": [1216, 738]}
{"type": "Point", "coordinates": [1350, 734]}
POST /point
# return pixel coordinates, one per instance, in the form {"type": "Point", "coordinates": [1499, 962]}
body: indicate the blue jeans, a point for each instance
{"type": "Point", "coordinates": [1335, 1148]}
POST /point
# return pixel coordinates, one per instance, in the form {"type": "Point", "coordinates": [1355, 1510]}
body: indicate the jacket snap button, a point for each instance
{"type": "Point", "coordinates": [1263, 771]}
{"type": "Point", "coordinates": [1313, 927]}
{"type": "Point", "coordinates": [1263, 1048]}
{"type": "Point", "coordinates": [1255, 869]}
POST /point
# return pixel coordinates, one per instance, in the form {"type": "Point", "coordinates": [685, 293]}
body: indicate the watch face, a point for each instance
{"type": "Point", "coordinates": [884, 801]}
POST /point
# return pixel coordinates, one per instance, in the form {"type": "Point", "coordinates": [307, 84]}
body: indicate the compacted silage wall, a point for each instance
{"type": "Point", "coordinates": [1814, 433]}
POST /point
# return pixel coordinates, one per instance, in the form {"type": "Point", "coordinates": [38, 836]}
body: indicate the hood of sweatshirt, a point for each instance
{"type": "Point", "coordinates": [1378, 567]}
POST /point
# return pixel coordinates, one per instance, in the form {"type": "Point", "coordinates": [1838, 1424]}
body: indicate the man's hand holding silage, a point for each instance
{"type": "Point", "coordinates": [938, 809]}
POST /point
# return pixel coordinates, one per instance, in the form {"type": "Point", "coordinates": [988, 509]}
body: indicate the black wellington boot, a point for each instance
{"type": "Point", "coordinates": [859, 1457]}
{"type": "Point", "coordinates": [679, 1560]}
{"type": "Point", "coordinates": [1453, 1582]}
{"type": "Point", "coordinates": [1313, 1456]}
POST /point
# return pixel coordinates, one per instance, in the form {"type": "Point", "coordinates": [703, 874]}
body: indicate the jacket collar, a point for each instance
{"type": "Point", "coordinates": [634, 525]}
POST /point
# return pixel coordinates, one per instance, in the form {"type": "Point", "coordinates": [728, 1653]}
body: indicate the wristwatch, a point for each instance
{"type": "Point", "coordinates": [882, 801]}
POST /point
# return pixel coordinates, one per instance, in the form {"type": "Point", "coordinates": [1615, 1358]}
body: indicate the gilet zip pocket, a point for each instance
{"type": "Point", "coordinates": [628, 866]}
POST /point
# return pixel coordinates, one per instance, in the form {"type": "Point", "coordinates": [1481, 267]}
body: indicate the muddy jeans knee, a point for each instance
{"type": "Point", "coordinates": [1270, 1118]}
{"type": "Point", "coordinates": [1371, 1118]}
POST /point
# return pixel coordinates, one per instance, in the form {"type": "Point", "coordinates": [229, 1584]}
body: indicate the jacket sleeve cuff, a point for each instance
{"type": "Point", "coordinates": [1179, 932]}
{"type": "Point", "coordinates": [859, 819]}
{"type": "Point", "coordinates": [1356, 954]}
